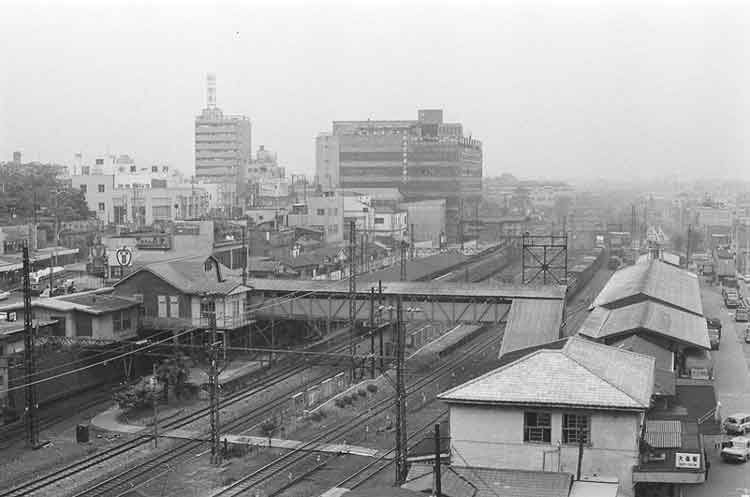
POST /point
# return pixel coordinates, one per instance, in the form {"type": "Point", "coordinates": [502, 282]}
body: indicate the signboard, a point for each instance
{"type": "Point", "coordinates": [699, 374]}
{"type": "Point", "coordinates": [10, 316]}
{"type": "Point", "coordinates": [187, 229]}
{"type": "Point", "coordinates": [687, 460]}
{"type": "Point", "coordinates": [124, 256]}
{"type": "Point", "coordinates": [159, 242]}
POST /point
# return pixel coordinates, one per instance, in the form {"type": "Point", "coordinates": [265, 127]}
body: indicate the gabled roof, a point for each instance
{"type": "Point", "coordinates": [532, 322]}
{"type": "Point", "coordinates": [88, 302]}
{"type": "Point", "coordinates": [640, 345]}
{"type": "Point", "coordinates": [462, 481]}
{"type": "Point", "coordinates": [647, 317]}
{"type": "Point", "coordinates": [654, 280]}
{"type": "Point", "coordinates": [582, 374]}
{"type": "Point", "coordinates": [189, 276]}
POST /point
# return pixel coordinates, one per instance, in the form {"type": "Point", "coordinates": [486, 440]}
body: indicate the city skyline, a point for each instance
{"type": "Point", "coordinates": [553, 90]}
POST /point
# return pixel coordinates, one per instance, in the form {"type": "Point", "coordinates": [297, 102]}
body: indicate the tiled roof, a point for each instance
{"type": "Point", "coordinates": [188, 275]}
{"type": "Point", "coordinates": [98, 304]}
{"type": "Point", "coordinates": [655, 280]}
{"type": "Point", "coordinates": [581, 374]}
{"type": "Point", "coordinates": [663, 434]}
{"type": "Point", "coordinates": [532, 322]}
{"type": "Point", "coordinates": [461, 481]}
{"type": "Point", "coordinates": [671, 323]}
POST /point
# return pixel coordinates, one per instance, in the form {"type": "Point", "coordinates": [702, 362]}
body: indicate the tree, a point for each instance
{"type": "Point", "coordinates": [173, 371]}
{"type": "Point", "coordinates": [139, 396]}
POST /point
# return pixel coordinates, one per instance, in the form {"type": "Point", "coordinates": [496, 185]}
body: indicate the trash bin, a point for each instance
{"type": "Point", "coordinates": [82, 434]}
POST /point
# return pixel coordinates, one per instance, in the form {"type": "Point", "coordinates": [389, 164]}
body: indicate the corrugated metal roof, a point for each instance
{"type": "Point", "coordinates": [581, 374]}
{"type": "Point", "coordinates": [647, 317]}
{"type": "Point", "coordinates": [418, 269]}
{"type": "Point", "coordinates": [655, 280]}
{"type": "Point", "coordinates": [664, 434]}
{"type": "Point", "coordinates": [530, 323]}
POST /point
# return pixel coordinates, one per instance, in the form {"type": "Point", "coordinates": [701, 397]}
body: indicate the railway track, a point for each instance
{"type": "Point", "coordinates": [269, 379]}
{"type": "Point", "coordinates": [297, 460]}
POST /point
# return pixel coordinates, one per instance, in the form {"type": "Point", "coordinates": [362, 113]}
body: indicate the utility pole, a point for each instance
{"type": "Point", "coordinates": [403, 260]}
{"type": "Point", "coordinates": [154, 381]}
{"type": "Point", "coordinates": [411, 237]}
{"type": "Point", "coordinates": [213, 380]}
{"type": "Point", "coordinates": [687, 249]}
{"type": "Point", "coordinates": [461, 224]}
{"type": "Point", "coordinates": [400, 397]}
{"type": "Point", "coordinates": [438, 476]}
{"type": "Point", "coordinates": [372, 331]}
{"type": "Point", "coordinates": [244, 249]}
{"type": "Point", "coordinates": [580, 454]}
{"type": "Point", "coordinates": [32, 423]}
{"type": "Point", "coordinates": [352, 292]}
{"type": "Point", "coordinates": [380, 334]}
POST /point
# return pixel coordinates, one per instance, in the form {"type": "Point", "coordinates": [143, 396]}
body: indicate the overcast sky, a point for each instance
{"type": "Point", "coordinates": [554, 89]}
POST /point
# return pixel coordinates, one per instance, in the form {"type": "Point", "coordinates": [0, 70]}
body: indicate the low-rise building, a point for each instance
{"type": "Point", "coordinates": [185, 293]}
{"type": "Point", "coordinates": [534, 413]}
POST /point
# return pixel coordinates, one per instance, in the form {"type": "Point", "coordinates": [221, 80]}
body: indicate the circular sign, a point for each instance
{"type": "Point", "coordinates": [124, 256]}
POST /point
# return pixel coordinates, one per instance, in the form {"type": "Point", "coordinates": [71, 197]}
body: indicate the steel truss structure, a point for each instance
{"type": "Point", "coordinates": [544, 257]}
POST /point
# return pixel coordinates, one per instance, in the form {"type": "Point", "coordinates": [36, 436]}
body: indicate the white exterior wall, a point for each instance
{"type": "Point", "coordinates": [493, 437]}
{"type": "Point", "coordinates": [327, 160]}
{"type": "Point", "coordinates": [393, 223]}
{"type": "Point", "coordinates": [323, 212]}
{"type": "Point", "coordinates": [94, 197]}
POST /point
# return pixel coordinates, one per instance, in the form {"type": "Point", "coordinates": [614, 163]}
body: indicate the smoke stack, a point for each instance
{"type": "Point", "coordinates": [211, 90]}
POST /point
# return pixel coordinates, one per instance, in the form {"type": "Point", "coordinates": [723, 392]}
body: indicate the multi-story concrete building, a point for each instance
{"type": "Point", "coordinates": [322, 211]}
{"type": "Point", "coordinates": [424, 158]}
{"type": "Point", "coordinates": [222, 148]}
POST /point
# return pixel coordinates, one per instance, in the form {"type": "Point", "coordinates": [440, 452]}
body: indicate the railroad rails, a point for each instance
{"type": "Point", "coordinates": [271, 377]}
{"type": "Point", "coordinates": [303, 454]}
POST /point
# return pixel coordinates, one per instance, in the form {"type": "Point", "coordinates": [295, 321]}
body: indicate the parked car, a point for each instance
{"type": "Point", "coordinates": [747, 334]}
{"type": "Point", "coordinates": [4, 295]}
{"type": "Point", "coordinates": [738, 449]}
{"type": "Point", "coordinates": [738, 424]}
{"type": "Point", "coordinates": [714, 336]}
{"type": "Point", "coordinates": [742, 314]}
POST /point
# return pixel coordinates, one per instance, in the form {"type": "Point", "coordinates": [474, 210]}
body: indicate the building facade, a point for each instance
{"type": "Point", "coordinates": [222, 148]}
{"type": "Point", "coordinates": [322, 211]}
{"type": "Point", "coordinates": [424, 159]}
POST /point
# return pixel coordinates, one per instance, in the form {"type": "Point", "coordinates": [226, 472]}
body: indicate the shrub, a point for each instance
{"type": "Point", "coordinates": [316, 416]}
{"type": "Point", "coordinates": [354, 397]}
{"type": "Point", "coordinates": [269, 427]}
{"type": "Point", "coordinates": [372, 388]}
{"type": "Point", "coordinates": [339, 402]}
{"type": "Point", "coordinates": [347, 400]}
{"type": "Point", "coordinates": [362, 392]}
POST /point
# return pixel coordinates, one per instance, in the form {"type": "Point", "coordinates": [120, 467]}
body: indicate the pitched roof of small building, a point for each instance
{"type": "Point", "coordinates": [654, 280]}
{"type": "Point", "coordinates": [462, 481]}
{"type": "Point", "coordinates": [647, 317]}
{"type": "Point", "coordinates": [89, 302]}
{"type": "Point", "coordinates": [189, 275]}
{"type": "Point", "coordinates": [581, 374]}
{"type": "Point", "coordinates": [532, 322]}
{"type": "Point", "coordinates": [640, 345]}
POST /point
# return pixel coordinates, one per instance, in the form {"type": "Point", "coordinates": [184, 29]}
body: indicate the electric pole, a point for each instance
{"type": "Point", "coordinates": [213, 380]}
{"type": "Point", "coordinates": [372, 331]}
{"type": "Point", "coordinates": [155, 399]}
{"type": "Point", "coordinates": [244, 249]}
{"type": "Point", "coordinates": [400, 397]}
{"type": "Point", "coordinates": [32, 423]}
{"type": "Point", "coordinates": [352, 292]}
{"type": "Point", "coordinates": [438, 476]}
{"type": "Point", "coordinates": [403, 260]}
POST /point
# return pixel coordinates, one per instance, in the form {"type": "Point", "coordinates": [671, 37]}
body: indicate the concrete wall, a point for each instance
{"type": "Point", "coordinates": [327, 160]}
{"type": "Point", "coordinates": [94, 197]}
{"type": "Point", "coordinates": [493, 437]}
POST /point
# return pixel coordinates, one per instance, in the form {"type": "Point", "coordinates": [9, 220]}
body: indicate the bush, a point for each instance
{"type": "Point", "coordinates": [354, 397]}
{"type": "Point", "coordinates": [269, 427]}
{"type": "Point", "coordinates": [362, 392]}
{"type": "Point", "coordinates": [347, 400]}
{"type": "Point", "coordinates": [372, 388]}
{"type": "Point", "coordinates": [316, 416]}
{"type": "Point", "coordinates": [339, 402]}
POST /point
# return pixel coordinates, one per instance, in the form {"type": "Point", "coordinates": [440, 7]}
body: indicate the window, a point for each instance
{"type": "Point", "coordinates": [100, 188]}
{"type": "Point", "coordinates": [154, 169]}
{"type": "Point", "coordinates": [126, 320]}
{"type": "Point", "coordinates": [162, 306]}
{"type": "Point", "coordinates": [99, 162]}
{"type": "Point", "coordinates": [85, 170]}
{"type": "Point", "coordinates": [537, 427]}
{"type": "Point", "coordinates": [379, 220]}
{"type": "Point", "coordinates": [132, 169]}
{"type": "Point", "coordinates": [101, 206]}
{"type": "Point", "coordinates": [573, 425]}
{"type": "Point", "coordinates": [117, 321]}
{"type": "Point", "coordinates": [174, 306]}
{"type": "Point", "coordinates": [83, 189]}
{"type": "Point", "coordinates": [208, 308]}
{"type": "Point", "coordinates": [320, 212]}
{"type": "Point", "coordinates": [138, 297]}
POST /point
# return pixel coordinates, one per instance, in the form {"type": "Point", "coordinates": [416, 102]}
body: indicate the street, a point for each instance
{"type": "Point", "coordinates": [732, 382]}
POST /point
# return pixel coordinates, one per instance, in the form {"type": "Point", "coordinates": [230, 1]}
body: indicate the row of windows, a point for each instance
{"type": "Point", "coordinates": [174, 306]}
{"type": "Point", "coordinates": [537, 427]}
{"type": "Point", "coordinates": [330, 211]}
{"type": "Point", "coordinates": [121, 320]}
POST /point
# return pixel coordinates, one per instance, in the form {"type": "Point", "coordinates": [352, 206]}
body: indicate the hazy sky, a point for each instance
{"type": "Point", "coordinates": [553, 89]}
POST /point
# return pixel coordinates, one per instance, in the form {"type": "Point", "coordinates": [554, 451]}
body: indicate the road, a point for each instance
{"type": "Point", "coordinates": [732, 383]}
